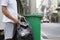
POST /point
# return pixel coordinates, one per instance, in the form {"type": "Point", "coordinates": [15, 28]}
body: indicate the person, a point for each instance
{"type": "Point", "coordinates": [10, 17]}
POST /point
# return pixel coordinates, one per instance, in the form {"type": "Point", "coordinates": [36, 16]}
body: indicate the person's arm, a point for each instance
{"type": "Point", "coordinates": [7, 14]}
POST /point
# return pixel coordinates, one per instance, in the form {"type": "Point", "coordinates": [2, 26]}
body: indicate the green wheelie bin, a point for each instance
{"type": "Point", "coordinates": [35, 23]}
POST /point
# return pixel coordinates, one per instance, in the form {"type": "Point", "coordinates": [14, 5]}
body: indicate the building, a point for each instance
{"type": "Point", "coordinates": [53, 5]}
{"type": "Point", "coordinates": [29, 6]}
{"type": "Point", "coordinates": [33, 6]}
{"type": "Point", "coordinates": [58, 9]}
{"type": "Point", "coordinates": [53, 10]}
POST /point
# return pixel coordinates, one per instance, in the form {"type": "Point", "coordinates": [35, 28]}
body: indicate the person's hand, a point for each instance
{"type": "Point", "coordinates": [21, 17]}
{"type": "Point", "coordinates": [16, 21]}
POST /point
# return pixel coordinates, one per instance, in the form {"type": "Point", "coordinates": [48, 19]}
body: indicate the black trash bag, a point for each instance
{"type": "Point", "coordinates": [24, 31]}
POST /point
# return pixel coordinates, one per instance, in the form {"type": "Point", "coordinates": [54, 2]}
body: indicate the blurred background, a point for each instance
{"type": "Point", "coordinates": [50, 9]}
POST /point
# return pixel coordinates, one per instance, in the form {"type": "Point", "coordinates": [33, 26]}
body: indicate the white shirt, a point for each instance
{"type": "Point", "coordinates": [11, 8]}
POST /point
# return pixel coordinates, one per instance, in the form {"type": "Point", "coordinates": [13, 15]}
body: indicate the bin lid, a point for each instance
{"type": "Point", "coordinates": [33, 15]}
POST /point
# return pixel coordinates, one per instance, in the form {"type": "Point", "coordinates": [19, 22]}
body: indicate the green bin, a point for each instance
{"type": "Point", "coordinates": [35, 23]}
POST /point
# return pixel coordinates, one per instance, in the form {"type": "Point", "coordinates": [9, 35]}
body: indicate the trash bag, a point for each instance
{"type": "Point", "coordinates": [24, 31]}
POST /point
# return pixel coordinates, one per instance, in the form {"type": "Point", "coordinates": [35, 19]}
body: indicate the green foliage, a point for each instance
{"type": "Point", "coordinates": [58, 15]}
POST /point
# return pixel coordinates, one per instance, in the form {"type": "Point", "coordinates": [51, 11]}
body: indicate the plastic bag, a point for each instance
{"type": "Point", "coordinates": [24, 31]}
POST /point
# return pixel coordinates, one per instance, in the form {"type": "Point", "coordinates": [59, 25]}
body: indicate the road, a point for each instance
{"type": "Point", "coordinates": [50, 31]}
